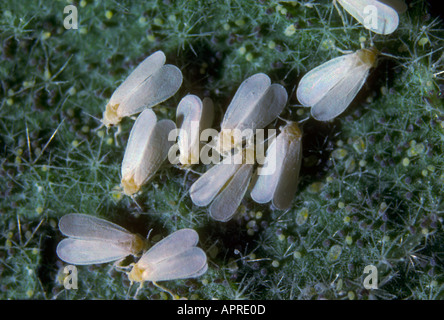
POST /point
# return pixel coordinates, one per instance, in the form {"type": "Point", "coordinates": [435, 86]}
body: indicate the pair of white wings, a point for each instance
{"type": "Point", "coordinates": [329, 88]}
{"type": "Point", "coordinates": [151, 83]}
{"type": "Point", "coordinates": [256, 104]}
{"type": "Point", "coordinates": [147, 147]}
{"type": "Point", "coordinates": [175, 257]}
{"type": "Point", "coordinates": [224, 186]}
{"type": "Point", "coordinates": [279, 186]}
{"type": "Point", "coordinates": [92, 240]}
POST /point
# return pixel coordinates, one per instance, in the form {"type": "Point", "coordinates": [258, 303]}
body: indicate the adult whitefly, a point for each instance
{"type": "Point", "coordinates": [147, 149]}
{"type": "Point", "coordinates": [151, 83]}
{"type": "Point", "coordinates": [174, 257]}
{"type": "Point", "coordinates": [255, 105]}
{"type": "Point", "coordinates": [329, 88]}
{"type": "Point", "coordinates": [278, 178]}
{"type": "Point", "coordinates": [224, 185]}
{"type": "Point", "coordinates": [192, 117]}
{"type": "Point", "coordinates": [92, 240]}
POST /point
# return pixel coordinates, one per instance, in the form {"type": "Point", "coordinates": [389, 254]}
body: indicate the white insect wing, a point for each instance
{"type": "Point", "coordinates": [192, 116]}
{"type": "Point", "coordinates": [255, 104]}
{"type": "Point", "coordinates": [280, 186]}
{"type": "Point", "coordinates": [188, 111]}
{"type": "Point", "coordinates": [266, 109]}
{"type": "Point", "coordinates": [187, 264]}
{"type": "Point", "coordinates": [170, 246]}
{"type": "Point", "coordinates": [142, 128]}
{"type": "Point", "coordinates": [330, 87]}
{"type": "Point", "coordinates": [289, 176]}
{"type": "Point", "coordinates": [86, 227]}
{"type": "Point", "coordinates": [267, 179]}
{"type": "Point", "coordinates": [319, 81]}
{"type": "Point", "coordinates": [246, 97]}
{"type": "Point", "coordinates": [341, 95]}
{"type": "Point", "coordinates": [143, 71]}
{"type": "Point", "coordinates": [373, 15]}
{"type": "Point", "coordinates": [226, 203]}
{"type": "Point", "coordinates": [147, 149]}
{"type": "Point", "coordinates": [206, 188]}
{"type": "Point", "coordinates": [84, 252]}
{"type": "Point", "coordinates": [175, 257]}
{"type": "Point", "coordinates": [159, 87]}
{"type": "Point", "coordinates": [155, 151]}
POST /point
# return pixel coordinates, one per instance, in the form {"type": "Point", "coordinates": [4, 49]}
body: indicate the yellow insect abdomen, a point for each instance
{"type": "Point", "coordinates": [368, 56]}
{"type": "Point", "coordinates": [129, 186]}
{"type": "Point", "coordinates": [110, 116]}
